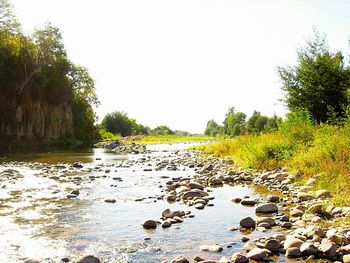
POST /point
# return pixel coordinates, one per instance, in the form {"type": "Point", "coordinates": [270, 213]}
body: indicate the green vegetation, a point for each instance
{"type": "Point", "coordinates": [235, 124]}
{"type": "Point", "coordinates": [158, 139]}
{"type": "Point", "coordinates": [42, 93]}
{"type": "Point", "coordinates": [314, 139]}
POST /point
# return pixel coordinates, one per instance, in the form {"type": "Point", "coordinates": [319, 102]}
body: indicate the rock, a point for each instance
{"type": "Point", "coordinates": [267, 208]}
{"type": "Point", "coordinates": [195, 185]}
{"type": "Point", "coordinates": [346, 258]}
{"type": "Point", "coordinates": [293, 252]}
{"type": "Point", "coordinates": [237, 200]}
{"type": "Point", "coordinates": [247, 222]}
{"type": "Point", "coordinates": [198, 259]}
{"type": "Point", "coordinates": [167, 213]}
{"type": "Point", "coordinates": [166, 224]}
{"type": "Point", "coordinates": [110, 200]}
{"type": "Point", "coordinates": [239, 258]}
{"type": "Point", "coordinates": [257, 254]}
{"type": "Point", "coordinates": [249, 202]}
{"type": "Point", "coordinates": [211, 248]}
{"type": "Point", "coordinates": [308, 249]}
{"type": "Point", "coordinates": [89, 259]}
{"type": "Point", "coordinates": [273, 199]}
{"type": "Point", "coordinates": [296, 213]}
{"type": "Point", "coordinates": [268, 220]}
{"type": "Point", "coordinates": [344, 249]}
{"type": "Point", "coordinates": [194, 193]}
{"type": "Point", "coordinates": [339, 239]}
{"type": "Point", "coordinates": [292, 241]}
{"type": "Point", "coordinates": [249, 246]}
{"type": "Point", "coordinates": [304, 196]}
{"type": "Point", "coordinates": [286, 225]}
{"type": "Point", "coordinates": [328, 249]}
{"type": "Point", "coordinates": [180, 259]}
{"type": "Point", "coordinates": [150, 224]}
{"type": "Point", "coordinates": [31, 260]}
{"type": "Point", "coordinates": [316, 209]}
{"type": "Point", "coordinates": [232, 228]}
{"type": "Point", "coordinates": [322, 194]}
{"type": "Point", "coordinates": [171, 198]}
{"type": "Point", "coordinates": [245, 239]}
{"type": "Point", "coordinates": [311, 231]}
{"type": "Point", "coordinates": [75, 192]}
{"type": "Point", "coordinates": [273, 245]}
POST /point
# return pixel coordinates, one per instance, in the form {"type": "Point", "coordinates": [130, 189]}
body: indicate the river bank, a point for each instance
{"type": "Point", "coordinates": [167, 204]}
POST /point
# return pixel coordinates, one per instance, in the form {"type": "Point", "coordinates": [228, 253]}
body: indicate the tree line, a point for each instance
{"type": "Point", "coordinates": [120, 123]}
{"type": "Point", "coordinates": [317, 87]}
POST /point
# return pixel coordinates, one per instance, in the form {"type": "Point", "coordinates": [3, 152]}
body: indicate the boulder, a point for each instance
{"type": "Point", "coordinates": [266, 208]}
{"type": "Point", "coordinates": [180, 259]}
{"type": "Point", "coordinates": [257, 254]}
{"type": "Point", "coordinates": [308, 249]}
{"type": "Point", "coordinates": [150, 224]}
{"type": "Point", "coordinates": [249, 202]}
{"type": "Point", "coordinates": [292, 241]}
{"type": "Point", "coordinates": [328, 249]}
{"type": "Point", "coordinates": [293, 252]}
{"type": "Point", "coordinates": [247, 222]}
{"type": "Point", "coordinates": [322, 194]}
{"type": "Point", "coordinates": [273, 245]}
{"type": "Point", "coordinates": [305, 196]}
{"type": "Point", "coordinates": [239, 258]}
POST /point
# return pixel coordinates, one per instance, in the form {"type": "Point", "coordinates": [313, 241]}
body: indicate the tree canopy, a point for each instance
{"type": "Point", "coordinates": [319, 83]}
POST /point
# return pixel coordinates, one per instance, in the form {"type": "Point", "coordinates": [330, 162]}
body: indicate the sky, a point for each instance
{"type": "Point", "coordinates": [181, 63]}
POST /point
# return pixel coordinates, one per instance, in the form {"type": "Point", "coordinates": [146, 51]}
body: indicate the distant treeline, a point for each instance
{"type": "Point", "coordinates": [118, 123]}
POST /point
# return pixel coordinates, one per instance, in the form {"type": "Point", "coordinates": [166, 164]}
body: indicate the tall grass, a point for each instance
{"type": "Point", "coordinates": [306, 148]}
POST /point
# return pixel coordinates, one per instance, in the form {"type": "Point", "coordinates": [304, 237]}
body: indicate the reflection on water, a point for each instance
{"type": "Point", "coordinates": [38, 220]}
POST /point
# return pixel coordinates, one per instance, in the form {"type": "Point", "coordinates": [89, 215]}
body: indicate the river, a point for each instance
{"type": "Point", "coordinates": [37, 219]}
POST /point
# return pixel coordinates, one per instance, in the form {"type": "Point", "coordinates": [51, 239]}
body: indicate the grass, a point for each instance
{"type": "Point", "coordinates": [159, 139]}
{"type": "Point", "coordinates": [306, 148]}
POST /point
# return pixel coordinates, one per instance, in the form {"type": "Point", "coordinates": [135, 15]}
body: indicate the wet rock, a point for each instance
{"type": "Point", "coordinates": [239, 258]}
{"type": "Point", "coordinates": [180, 259]}
{"type": "Point", "coordinates": [267, 208]}
{"type": "Point", "coordinates": [293, 252]}
{"type": "Point", "coordinates": [328, 249]}
{"type": "Point", "coordinates": [89, 259]}
{"type": "Point", "coordinates": [308, 249]}
{"type": "Point", "coordinates": [244, 239]}
{"type": "Point", "coordinates": [249, 246]}
{"type": "Point", "coordinates": [249, 202]}
{"type": "Point", "coordinates": [286, 225]}
{"type": "Point", "coordinates": [167, 213]}
{"type": "Point", "coordinates": [150, 224]}
{"type": "Point", "coordinates": [257, 254]}
{"type": "Point", "coordinates": [171, 198]}
{"type": "Point", "coordinates": [237, 200]}
{"type": "Point", "coordinates": [198, 259]}
{"type": "Point", "coordinates": [247, 222]}
{"type": "Point", "coordinates": [65, 260]}
{"type": "Point", "coordinates": [211, 248]}
{"type": "Point", "coordinates": [199, 206]}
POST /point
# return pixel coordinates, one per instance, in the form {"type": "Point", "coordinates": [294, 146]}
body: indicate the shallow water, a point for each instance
{"type": "Point", "coordinates": [37, 220]}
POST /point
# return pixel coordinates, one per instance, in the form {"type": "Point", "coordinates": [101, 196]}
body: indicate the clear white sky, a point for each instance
{"type": "Point", "coordinates": [183, 62]}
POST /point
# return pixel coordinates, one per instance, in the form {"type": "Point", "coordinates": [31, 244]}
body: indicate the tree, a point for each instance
{"type": "Point", "coordinates": [319, 83]}
{"type": "Point", "coordinates": [8, 20]}
{"type": "Point", "coordinates": [234, 123]}
{"type": "Point", "coordinates": [212, 128]}
{"type": "Point", "coordinates": [118, 123]}
{"type": "Point", "coordinates": [162, 130]}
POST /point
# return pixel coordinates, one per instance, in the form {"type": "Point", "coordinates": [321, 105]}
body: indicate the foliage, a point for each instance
{"type": "Point", "coordinates": [234, 123]}
{"type": "Point", "coordinates": [117, 123]}
{"type": "Point", "coordinates": [213, 129]}
{"type": "Point", "coordinates": [162, 130]}
{"type": "Point", "coordinates": [320, 82]}
{"type": "Point", "coordinates": [36, 69]}
{"type": "Point", "coordinates": [159, 139]}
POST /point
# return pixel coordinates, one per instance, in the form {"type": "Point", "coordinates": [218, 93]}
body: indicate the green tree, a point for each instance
{"type": "Point", "coordinates": [212, 128]}
{"type": "Point", "coordinates": [319, 83]}
{"type": "Point", "coordinates": [234, 123]}
{"type": "Point", "coordinates": [162, 130]}
{"type": "Point", "coordinates": [118, 123]}
{"type": "Point", "coordinates": [256, 123]}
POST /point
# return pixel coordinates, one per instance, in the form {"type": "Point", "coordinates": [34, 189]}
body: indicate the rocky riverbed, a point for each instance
{"type": "Point", "coordinates": [163, 205]}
